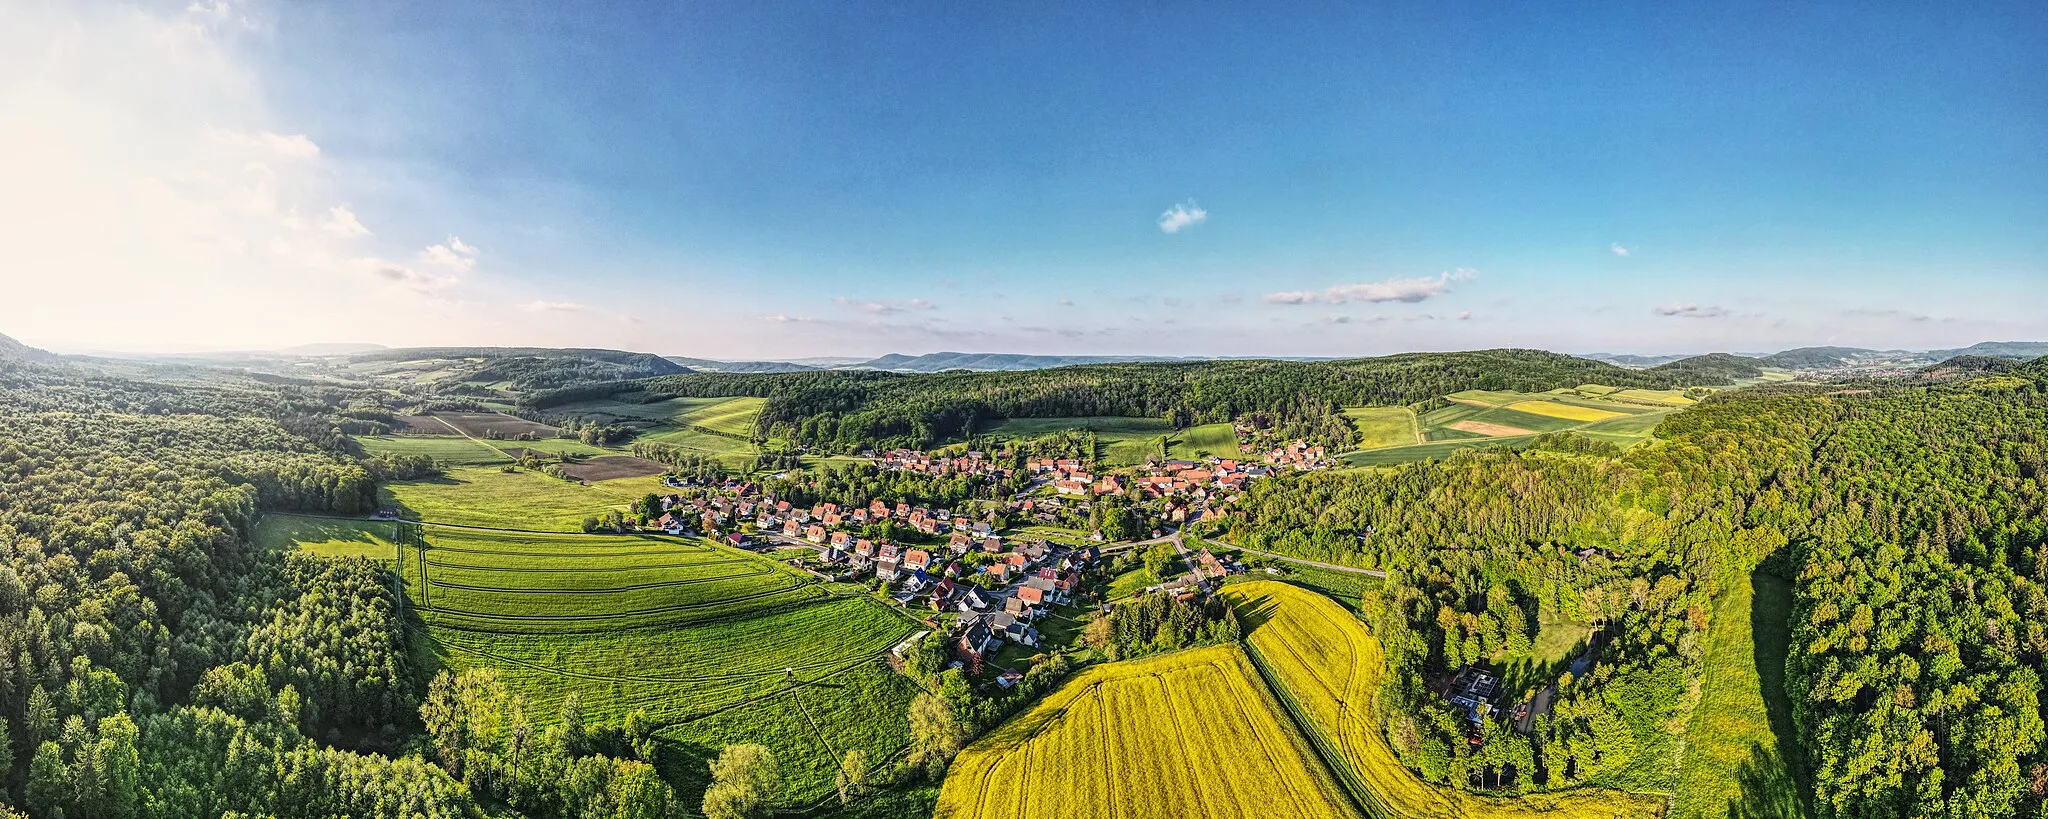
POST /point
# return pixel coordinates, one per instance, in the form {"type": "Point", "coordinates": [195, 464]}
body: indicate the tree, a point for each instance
{"type": "Point", "coordinates": [746, 783]}
{"type": "Point", "coordinates": [49, 780]}
{"type": "Point", "coordinates": [935, 733]}
{"type": "Point", "coordinates": [650, 506]}
{"type": "Point", "coordinates": [853, 775]}
{"type": "Point", "coordinates": [463, 712]}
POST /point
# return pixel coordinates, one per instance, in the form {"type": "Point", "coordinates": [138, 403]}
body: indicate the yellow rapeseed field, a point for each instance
{"type": "Point", "coordinates": [1329, 665]}
{"type": "Point", "coordinates": [1566, 411]}
{"type": "Point", "coordinates": [1188, 734]}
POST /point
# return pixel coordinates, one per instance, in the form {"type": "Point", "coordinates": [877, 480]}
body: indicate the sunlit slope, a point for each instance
{"type": "Point", "coordinates": [1188, 734]}
{"type": "Point", "coordinates": [1328, 666]}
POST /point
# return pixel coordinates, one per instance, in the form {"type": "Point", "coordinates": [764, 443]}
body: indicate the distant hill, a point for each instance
{"type": "Point", "coordinates": [2021, 350]}
{"type": "Point", "coordinates": [15, 350]}
{"type": "Point", "coordinates": [1632, 361]}
{"type": "Point", "coordinates": [529, 368]}
{"type": "Point", "coordinates": [1818, 358]}
{"type": "Point", "coordinates": [1970, 365]}
{"type": "Point", "coordinates": [1712, 369]}
{"type": "Point", "coordinates": [706, 365]}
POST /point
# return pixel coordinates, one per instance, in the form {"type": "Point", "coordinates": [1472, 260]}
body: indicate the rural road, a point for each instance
{"type": "Point", "coordinates": [1331, 566]}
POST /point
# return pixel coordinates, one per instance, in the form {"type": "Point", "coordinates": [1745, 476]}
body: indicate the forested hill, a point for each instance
{"type": "Point", "coordinates": [850, 410]}
{"type": "Point", "coordinates": [9, 348]}
{"type": "Point", "coordinates": [528, 369]}
{"type": "Point", "coordinates": [1911, 518]}
{"type": "Point", "coordinates": [1710, 370]}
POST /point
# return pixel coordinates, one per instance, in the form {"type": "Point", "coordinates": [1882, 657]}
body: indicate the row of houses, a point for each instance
{"type": "Point", "coordinates": [972, 462]}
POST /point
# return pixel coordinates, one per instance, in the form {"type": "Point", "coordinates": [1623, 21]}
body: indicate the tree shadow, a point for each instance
{"type": "Point", "coordinates": [1774, 781]}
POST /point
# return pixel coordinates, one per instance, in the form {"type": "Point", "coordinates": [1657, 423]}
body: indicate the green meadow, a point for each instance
{"type": "Point", "coordinates": [1381, 427]}
{"type": "Point", "coordinates": [515, 499]}
{"type": "Point", "coordinates": [1208, 439]}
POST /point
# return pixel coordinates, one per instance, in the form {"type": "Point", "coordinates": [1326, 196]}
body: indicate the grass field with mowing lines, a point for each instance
{"type": "Point", "coordinates": [1380, 427]}
{"type": "Point", "coordinates": [453, 450]}
{"type": "Point", "coordinates": [506, 581]}
{"type": "Point", "coordinates": [732, 416]}
{"type": "Point", "coordinates": [1188, 734]}
{"type": "Point", "coordinates": [1208, 439]}
{"type": "Point", "coordinates": [553, 447]}
{"type": "Point", "coordinates": [1556, 409]}
{"type": "Point", "coordinates": [1741, 757]}
{"type": "Point", "coordinates": [1665, 397]}
{"type": "Point", "coordinates": [492, 497]}
{"type": "Point", "coordinates": [1326, 666]}
{"type": "Point", "coordinates": [796, 670]}
{"type": "Point", "coordinates": [327, 537]}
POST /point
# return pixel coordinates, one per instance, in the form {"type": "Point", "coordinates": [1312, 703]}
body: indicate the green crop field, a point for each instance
{"type": "Point", "coordinates": [328, 537]}
{"type": "Point", "coordinates": [554, 447]}
{"type": "Point", "coordinates": [1188, 734]}
{"type": "Point", "coordinates": [706, 443]}
{"type": "Point", "coordinates": [1380, 427]}
{"type": "Point", "coordinates": [1208, 439]}
{"type": "Point", "coordinates": [1431, 451]}
{"type": "Point", "coordinates": [453, 450]}
{"type": "Point", "coordinates": [1326, 667]}
{"type": "Point", "coordinates": [712, 645]}
{"type": "Point", "coordinates": [1665, 397]}
{"type": "Point", "coordinates": [491, 497]}
{"type": "Point", "coordinates": [732, 416]}
{"type": "Point", "coordinates": [1741, 757]}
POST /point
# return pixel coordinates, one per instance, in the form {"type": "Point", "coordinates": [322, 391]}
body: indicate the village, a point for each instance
{"type": "Point", "coordinates": [989, 573]}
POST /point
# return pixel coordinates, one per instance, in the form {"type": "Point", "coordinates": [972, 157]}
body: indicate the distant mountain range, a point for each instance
{"type": "Point", "coordinates": [9, 348]}
{"type": "Point", "coordinates": [1835, 358]}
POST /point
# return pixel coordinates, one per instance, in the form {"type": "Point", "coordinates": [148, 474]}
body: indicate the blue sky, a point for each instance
{"type": "Point", "coordinates": [756, 179]}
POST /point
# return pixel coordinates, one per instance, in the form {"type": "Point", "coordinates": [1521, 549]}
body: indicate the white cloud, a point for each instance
{"type": "Point", "coordinates": [1465, 315]}
{"type": "Point", "coordinates": [554, 307]}
{"type": "Point", "coordinates": [884, 307]}
{"type": "Point", "coordinates": [342, 221]}
{"type": "Point", "coordinates": [452, 254]}
{"type": "Point", "coordinates": [1182, 216]}
{"type": "Point", "coordinates": [1411, 290]}
{"type": "Point", "coordinates": [1691, 311]}
{"type": "Point", "coordinates": [779, 318]}
{"type": "Point", "coordinates": [1617, 249]}
{"type": "Point", "coordinates": [1066, 302]}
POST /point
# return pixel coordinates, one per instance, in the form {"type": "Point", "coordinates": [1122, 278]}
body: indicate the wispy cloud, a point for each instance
{"type": "Point", "coordinates": [780, 318]}
{"type": "Point", "coordinates": [1182, 216]}
{"type": "Point", "coordinates": [1893, 314]}
{"type": "Point", "coordinates": [1617, 249]}
{"type": "Point", "coordinates": [453, 254]}
{"type": "Point", "coordinates": [1692, 311]}
{"type": "Point", "coordinates": [1465, 315]}
{"type": "Point", "coordinates": [554, 307]}
{"type": "Point", "coordinates": [342, 221]}
{"type": "Point", "coordinates": [883, 307]}
{"type": "Point", "coordinates": [1421, 288]}
{"type": "Point", "coordinates": [1066, 302]}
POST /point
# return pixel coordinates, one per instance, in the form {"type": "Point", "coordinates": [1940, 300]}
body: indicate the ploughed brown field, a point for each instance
{"type": "Point", "coordinates": [610, 467]}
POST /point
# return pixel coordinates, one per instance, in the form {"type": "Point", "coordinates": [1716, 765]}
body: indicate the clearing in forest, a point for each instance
{"type": "Point", "coordinates": [1669, 398]}
{"type": "Point", "coordinates": [1219, 440]}
{"type": "Point", "coordinates": [1326, 667]}
{"type": "Point", "coordinates": [1380, 427]}
{"type": "Point", "coordinates": [330, 537]}
{"type": "Point", "coordinates": [1188, 734]}
{"type": "Point", "coordinates": [1741, 757]}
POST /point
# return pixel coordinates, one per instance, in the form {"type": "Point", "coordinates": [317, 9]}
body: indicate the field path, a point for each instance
{"type": "Point", "coordinates": [1379, 573]}
{"type": "Point", "coordinates": [458, 430]}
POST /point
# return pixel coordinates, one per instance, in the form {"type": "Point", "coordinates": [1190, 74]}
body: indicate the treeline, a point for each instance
{"type": "Point", "coordinates": [843, 411]}
{"type": "Point", "coordinates": [1914, 519]}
